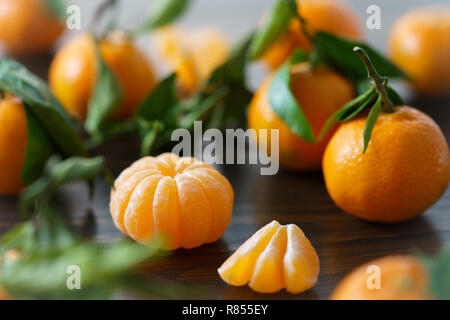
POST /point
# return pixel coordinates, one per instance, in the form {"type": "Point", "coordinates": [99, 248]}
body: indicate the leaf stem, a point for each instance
{"type": "Point", "coordinates": [303, 23]}
{"type": "Point", "coordinates": [379, 81]}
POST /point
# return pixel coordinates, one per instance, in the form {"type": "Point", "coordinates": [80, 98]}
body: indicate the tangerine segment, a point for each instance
{"type": "Point", "coordinates": [238, 268]}
{"type": "Point", "coordinates": [268, 275]}
{"type": "Point", "coordinates": [182, 200]}
{"type": "Point", "coordinates": [301, 263]}
{"type": "Point", "coordinates": [275, 257]}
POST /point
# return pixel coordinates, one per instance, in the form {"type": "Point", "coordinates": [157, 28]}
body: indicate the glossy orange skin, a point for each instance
{"type": "Point", "coordinates": [405, 169]}
{"type": "Point", "coordinates": [184, 201]}
{"type": "Point", "coordinates": [13, 144]}
{"type": "Point", "coordinates": [333, 16]}
{"type": "Point", "coordinates": [420, 45]}
{"type": "Point", "coordinates": [28, 27]}
{"type": "Point", "coordinates": [73, 73]}
{"type": "Point", "coordinates": [401, 278]}
{"type": "Point", "coordinates": [308, 87]}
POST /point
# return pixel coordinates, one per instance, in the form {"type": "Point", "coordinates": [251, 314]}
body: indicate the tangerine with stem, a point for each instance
{"type": "Point", "coordinates": [73, 73]}
{"type": "Point", "coordinates": [399, 174]}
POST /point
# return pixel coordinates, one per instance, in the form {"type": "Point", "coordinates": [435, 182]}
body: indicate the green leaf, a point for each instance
{"type": "Point", "coordinates": [105, 99]}
{"type": "Point", "coordinates": [275, 25]}
{"type": "Point", "coordinates": [19, 237]}
{"type": "Point", "coordinates": [48, 248]}
{"type": "Point", "coordinates": [150, 131]}
{"type": "Point", "coordinates": [49, 121]}
{"type": "Point", "coordinates": [357, 105]}
{"type": "Point", "coordinates": [208, 103]}
{"type": "Point", "coordinates": [162, 103]}
{"type": "Point", "coordinates": [370, 123]}
{"type": "Point", "coordinates": [285, 104]}
{"type": "Point", "coordinates": [158, 114]}
{"type": "Point", "coordinates": [233, 69]}
{"type": "Point", "coordinates": [439, 269]}
{"type": "Point", "coordinates": [50, 233]}
{"type": "Point", "coordinates": [39, 149]}
{"type": "Point", "coordinates": [163, 12]}
{"type": "Point", "coordinates": [339, 53]}
{"type": "Point", "coordinates": [59, 174]}
{"type": "Point", "coordinates": [58, 8]}
{"type": "Point", "coordinates": [43, 275]}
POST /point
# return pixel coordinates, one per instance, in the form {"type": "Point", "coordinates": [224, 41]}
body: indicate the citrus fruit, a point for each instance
{"type": "Point", "coordinates": [28, 26]}
{"type": "Point", "coordinates": [192, 53]}
{"type": "Point", "coordinates": [400, 278]}
{"type": "Point", "coordinates": [275, 257]}
{"type": "Point", "coordinates": [405, 169]}
{"type": "Point", "coordinates": [308, 88]}
{"type": "Point", "coordinates": [321, 15]}
{"type": "Point", "coordinates": [420, 45]}
{"type": "Point", "coordinates": [13, 143]}
{"type": "Point", "coordinates": [185, 201]}
{"type": "Point", "coordinates": [73, 73]}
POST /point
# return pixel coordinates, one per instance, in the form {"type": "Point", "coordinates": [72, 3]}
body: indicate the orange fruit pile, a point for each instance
{"type": "Point", "coordinates": [400, 278]}
{"type": "Point", "coordinates": [275, 257]}
{"type": "Point", "coordinates": [181, 200]}
{"type": "Point", "coordinates": [192, 53]}
{"type": "Point", "coordinates": [322, 15]}
{"type": "Point", "coordinates": [420, 45]}
{"type": "Point", "coordinates": [13, 143]}
{"type": "Point", "coordinates": [405, 170]}
{"type": "Point", "coordinates": [308, 88]}
{"type": "Point", "coordinates": [28, 26]}
{"type": "Point", "coordinates": [73, 73]}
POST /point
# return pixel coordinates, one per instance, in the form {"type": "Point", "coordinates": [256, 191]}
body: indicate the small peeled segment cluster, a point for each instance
{"type": "Point", "coordinates": [275, 257]}
{"type": "Point", "coordinates": [184, 201]}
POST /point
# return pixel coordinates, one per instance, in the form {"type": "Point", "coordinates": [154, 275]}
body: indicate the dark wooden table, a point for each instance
{"type": "Point", "coordinates": [342, 242]}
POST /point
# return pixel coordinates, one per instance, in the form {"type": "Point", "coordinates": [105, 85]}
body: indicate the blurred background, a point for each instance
{"type": "Point", "coordinates": [239, 17]}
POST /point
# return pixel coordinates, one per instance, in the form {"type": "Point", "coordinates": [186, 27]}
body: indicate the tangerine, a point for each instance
{"type": "Point", "coordinates": [183, 200]}
{"type": "Point", "coordinates": [334, 16]}
{"type": "Point", "coordinates": [405, 170]}
{"type": "Point", "coordinates": [13, 143]}
{"type": "Point", "coordinates": [308, 87]}
{"type": "Point", "coordinates": [420, 45]}
{"type": "Point", "coordinates": [192, 53]}
{"type": "Point", "coordinates": [73, 73]}
{"type": "Point", "coordinates": [28, 26]}
{"type": "Point", "coordinates": [401, 278]}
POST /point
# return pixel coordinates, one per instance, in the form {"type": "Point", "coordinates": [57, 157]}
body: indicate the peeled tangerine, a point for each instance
{"type": "Point", "coordinates": [181, 200]}
{"type": "Point", "coordinates": [275, 257]}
